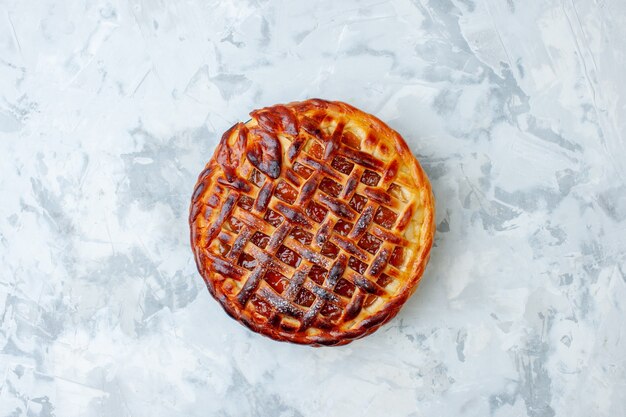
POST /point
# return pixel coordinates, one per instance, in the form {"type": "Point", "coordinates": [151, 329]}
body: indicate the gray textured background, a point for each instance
{"type": "Point", "coordinates": [109, 110]}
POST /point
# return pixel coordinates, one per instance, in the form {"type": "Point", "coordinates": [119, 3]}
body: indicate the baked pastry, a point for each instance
{"type": "Point", "coordinates": [312, 223]}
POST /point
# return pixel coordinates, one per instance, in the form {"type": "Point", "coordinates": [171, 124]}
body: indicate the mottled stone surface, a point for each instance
{"type": "Point", "coordinates": [109, 110]}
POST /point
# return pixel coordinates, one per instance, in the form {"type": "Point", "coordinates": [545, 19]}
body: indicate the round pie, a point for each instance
{"type": "Point", "coordinates": [312, 223]}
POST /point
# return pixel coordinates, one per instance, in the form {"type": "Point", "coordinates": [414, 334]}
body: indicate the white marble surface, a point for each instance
{"type": "Point", "coordinates": [109, 110]}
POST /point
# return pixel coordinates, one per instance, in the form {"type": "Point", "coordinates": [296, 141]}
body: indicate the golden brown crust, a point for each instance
{"type": "Point", "coordinates": [312, 223]}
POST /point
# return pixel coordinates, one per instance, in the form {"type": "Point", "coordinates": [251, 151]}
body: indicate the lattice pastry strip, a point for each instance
{"type": "Point", "coordinates": [312, 223]}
